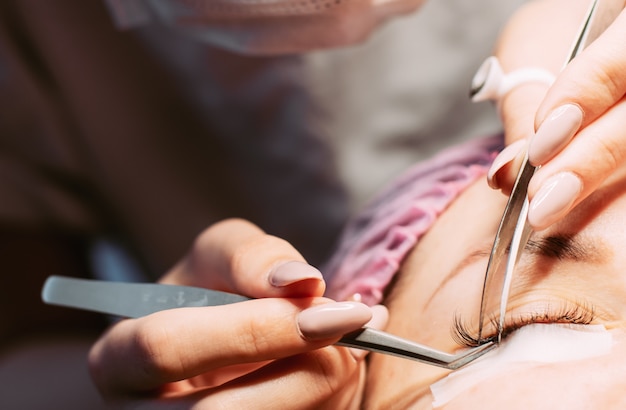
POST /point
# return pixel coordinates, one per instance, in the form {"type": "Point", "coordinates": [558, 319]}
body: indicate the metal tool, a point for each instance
{"type": "Point", "coordinates": [133, 300]}
{"type": "Point", "coordinates": [514, 230]}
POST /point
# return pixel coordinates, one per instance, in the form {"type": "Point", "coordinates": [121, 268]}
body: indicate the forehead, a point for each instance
{"type": "Point", "coordinates": [469, 222]}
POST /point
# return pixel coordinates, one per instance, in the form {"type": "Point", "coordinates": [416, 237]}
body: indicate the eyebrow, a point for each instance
{"type": "Point", "coordinates": [564, 247]}
{"type": "Point", "coordinates": [559, 246]}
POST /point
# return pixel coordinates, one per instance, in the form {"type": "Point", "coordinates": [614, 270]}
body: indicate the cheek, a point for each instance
{"type": "Point", "coordinates": [597, 383]}
{"type": "Point", "coordinates": [520, 390]}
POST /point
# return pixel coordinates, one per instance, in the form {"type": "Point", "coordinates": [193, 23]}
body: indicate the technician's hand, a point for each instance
{"type": "Point", "coordinates": [580, 124]}
{"type": "Point", "coordinates": [271, 352]}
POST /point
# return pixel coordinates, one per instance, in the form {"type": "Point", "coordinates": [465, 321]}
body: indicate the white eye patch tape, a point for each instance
{"type": "Point", "coordinates": [532, 344]}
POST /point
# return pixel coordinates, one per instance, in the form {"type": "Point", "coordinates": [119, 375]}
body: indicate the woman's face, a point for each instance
{"type": "Point", "coordinates": [573, 272]}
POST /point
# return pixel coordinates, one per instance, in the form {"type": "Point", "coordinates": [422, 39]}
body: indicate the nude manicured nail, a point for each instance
{"type": "Point", "coordinates": [380, 317]}
{"type": "Point", "coordinates": [292, 272]}
{"type": "Point", "coordinates": [554, 133]}
{"type": "Point", "coordinates": [333, 319]}
{"type": "Point", "coordinates": [505, 156]}
{"type": "Point", "coordinates": [554, 199]}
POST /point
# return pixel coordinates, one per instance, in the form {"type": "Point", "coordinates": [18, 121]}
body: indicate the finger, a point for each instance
{"type": "Point", "coordinates": [519, 106]}
{"type": "Point", "coordinates": [380, 317]}
{"type": "Point", "coordinates": [594, 155]}
{"type": "Point", "coordinates": [143, 354]}
{"type": "Point", "coordinates": [327, 378]}
{"type": "Point", "coordinates": [543, 44]}
{"type": "Point", "coordinates": [518, 110]}
{"type": "Point", "coordinates": [503, 171]}
{"type": "Point", "coordinates": [236, 256]}
{"type": "Point", "coordinates": [589, 85]}
{"type": "Point", "coordinates": [306, 381]}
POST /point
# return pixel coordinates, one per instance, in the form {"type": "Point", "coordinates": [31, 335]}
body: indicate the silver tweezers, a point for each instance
{"type": "Point", "coordinates": [514, 230]}
{"type": "Point", "coordinates": [133, 300]}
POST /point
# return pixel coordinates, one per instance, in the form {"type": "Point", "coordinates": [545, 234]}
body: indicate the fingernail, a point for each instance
{"type": "Point", "coordinates": [554, 133]}
{"type": "Point", "coordinates": [380, 317]}
{"type": "Point", "coordinates": [291, 272]}
{"type": "Point", "coordinates": [505, 156]}
{"type": "Point", "coordinates": [554, 199]}
{"type": "Point", "coordinates": [333, 319]}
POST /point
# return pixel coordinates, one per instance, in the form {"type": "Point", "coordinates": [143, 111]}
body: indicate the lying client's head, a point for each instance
{"type": "Point", "coordinates": [563, 345]}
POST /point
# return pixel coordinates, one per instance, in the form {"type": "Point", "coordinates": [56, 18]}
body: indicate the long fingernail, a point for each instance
{"type": "Point", "coordinates": [380, 317]}
{"type": "Point", "coordinates": [554, 133]}
{"type": "Point", "coordinates": [333, 319]}
{"type": "Point", "coordinates": [554, 199]}
{"type": "Point", "coordinates": [507, 155]}
{"type": "Point", "coordinates": [292, 272]}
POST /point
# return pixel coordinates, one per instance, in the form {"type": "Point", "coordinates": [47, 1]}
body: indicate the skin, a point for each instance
{"type": "Point", "coordinates": [424, 303]}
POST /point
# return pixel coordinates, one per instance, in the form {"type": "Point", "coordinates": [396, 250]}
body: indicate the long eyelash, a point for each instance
{"type": "Point", "coordinates": [579, 313]}
{"type": "Point", "coordinates": [462, 335]}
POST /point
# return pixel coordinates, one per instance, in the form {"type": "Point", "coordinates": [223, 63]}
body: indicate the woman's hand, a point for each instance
{"type": "Point", "coordinates": [580, 121]}
{"type": "Point", "coordinates": [269, 352]}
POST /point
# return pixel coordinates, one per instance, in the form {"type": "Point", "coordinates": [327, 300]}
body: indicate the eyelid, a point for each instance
{"type": "Point", "coordinates": [581, 313]}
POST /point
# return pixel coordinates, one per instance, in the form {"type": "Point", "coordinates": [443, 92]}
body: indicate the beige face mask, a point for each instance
{"type": "Point", "coordinates": [265, 26]}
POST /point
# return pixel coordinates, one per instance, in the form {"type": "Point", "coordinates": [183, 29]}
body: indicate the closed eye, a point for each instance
{"type": "Point", "coordinates": [579, 313]}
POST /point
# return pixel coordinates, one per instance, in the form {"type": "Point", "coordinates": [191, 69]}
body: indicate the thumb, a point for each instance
{"type": "Point", "coordinates": [237, 256]}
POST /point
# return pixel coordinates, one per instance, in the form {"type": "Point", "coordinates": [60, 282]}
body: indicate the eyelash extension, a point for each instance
{"type": "Point", "coordinates": [579, 313]}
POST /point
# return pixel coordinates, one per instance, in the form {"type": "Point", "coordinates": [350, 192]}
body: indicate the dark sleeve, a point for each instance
{"type": "Point", "coordinates": [28, 258]}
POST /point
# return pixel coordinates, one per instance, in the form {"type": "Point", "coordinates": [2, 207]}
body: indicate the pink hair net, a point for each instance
{"type": "Point", "coordinates": [375, 243]}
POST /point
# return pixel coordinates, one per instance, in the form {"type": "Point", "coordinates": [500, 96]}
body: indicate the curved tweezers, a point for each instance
{"type": "Point", "coordinates": [386, 343]}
